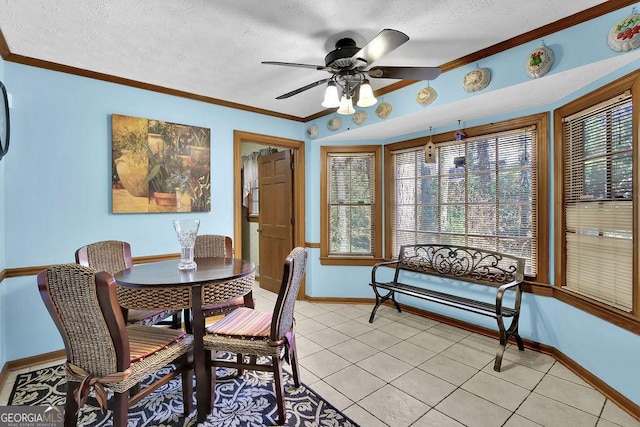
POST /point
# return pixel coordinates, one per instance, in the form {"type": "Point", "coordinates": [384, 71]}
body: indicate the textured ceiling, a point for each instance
{"type": "Point", "coordinates": [214, 48]}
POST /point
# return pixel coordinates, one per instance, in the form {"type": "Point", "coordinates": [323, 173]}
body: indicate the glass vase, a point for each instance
{"type": "Point", "coordinates": [186, 230]}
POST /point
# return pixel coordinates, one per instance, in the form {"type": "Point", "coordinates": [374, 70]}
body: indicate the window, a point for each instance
{"type": "Point", "coordinates": [481, 191]}
{"type": "Point", "coordinates": [597, 200]}
{"type": "Point", "coordinates": [351, 211]}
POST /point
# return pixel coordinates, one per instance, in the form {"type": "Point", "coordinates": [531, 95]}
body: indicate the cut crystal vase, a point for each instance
{"type": "Point", "coordinates": [186, 230]}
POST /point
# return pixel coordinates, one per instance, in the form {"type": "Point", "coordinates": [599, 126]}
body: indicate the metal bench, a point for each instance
{"type": "Point", "coordinates": [479, 266]}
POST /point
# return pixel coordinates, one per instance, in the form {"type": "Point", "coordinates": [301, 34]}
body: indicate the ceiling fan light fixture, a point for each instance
{"type": "Point", "coordinates": [331, 99]}
{"type": "Point", "coordinates": [349, 64]}
{"type": "Point", "coordinates": [366, 98]}
{"type": "Point", "coordinates": [346, 106]}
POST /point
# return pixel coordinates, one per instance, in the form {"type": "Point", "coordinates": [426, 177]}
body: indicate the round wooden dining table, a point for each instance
{"type": "Point", "coordinates": [163, 286]}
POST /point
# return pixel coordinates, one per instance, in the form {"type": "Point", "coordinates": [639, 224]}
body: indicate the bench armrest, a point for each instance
{"type": "Point", "coordinates": [375, 268]}
{"type": "Point", "coordinates": [517, 284]}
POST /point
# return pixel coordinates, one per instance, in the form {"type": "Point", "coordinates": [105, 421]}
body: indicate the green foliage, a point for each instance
{"type": "Point", "coordinates": [486, 203]}
{"type": "Point", "coordinates": [166, 173]}
{"type": "Point", "coordinates": [158, 174]}
{"type": "Point", "coordinates": [132, 142]}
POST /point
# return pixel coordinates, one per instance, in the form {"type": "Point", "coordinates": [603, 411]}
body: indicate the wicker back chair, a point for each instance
{"type": "Point", "coordinates": [113, 256]}
{"type": "Point", "coordinates": [213, 245]}
{"type": "Point", "coordinates": [102, 351]}
{"type": "Point", "coordinates": [255, 333]}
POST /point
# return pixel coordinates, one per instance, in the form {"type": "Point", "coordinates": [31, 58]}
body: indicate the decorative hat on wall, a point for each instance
{"type": "Point", "coordinates": [426, 96]}
{"type": "Point", "coordinates": [383, 110]}
{"type": "Point", "coordinates": [359, 117]}
{"type": "Point", "coordinates": [476, 80]}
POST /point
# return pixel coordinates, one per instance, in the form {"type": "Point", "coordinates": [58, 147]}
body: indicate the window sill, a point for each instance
{"type": "Point", "coordinates": [531, 286]}
{"type": "Point", "coordinates": [356, 261]}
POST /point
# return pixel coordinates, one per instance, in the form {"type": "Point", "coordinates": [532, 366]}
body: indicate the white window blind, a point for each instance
{"type": "Point", "coordinates": [598, 202]}
{"type": "Point", "coordinates": [480, 192]}
{"type": "Point", "coordinates": [351, 180]}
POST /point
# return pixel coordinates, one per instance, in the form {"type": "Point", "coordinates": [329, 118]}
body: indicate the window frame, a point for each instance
{"type": "Point", "coordinates": [630, 321]}
{"type": "Point", "coordinates": [541, 122]}
{"type": "Point", "coordinates": [356, 150]}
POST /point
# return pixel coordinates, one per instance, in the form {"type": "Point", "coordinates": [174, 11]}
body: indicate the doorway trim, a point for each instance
{"type": "Point", "coordinates": [240, 137]}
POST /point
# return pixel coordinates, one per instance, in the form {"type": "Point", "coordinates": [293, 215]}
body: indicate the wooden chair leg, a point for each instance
{"type": "Point", "coordinates": [135, 390]}
{"type": "Point", "coordinates": [279, 386]}
{"type": "Point", "coordinates": [240, 360]}
{"type": "Point", "coordinates": [120, 409]}
{"type": "Point", "coordinates": [71, 406]}
{"type": "Point", "coordinates": [187, 384]}
{"type": "Point", "coordinates": [176, 320]}
{"type": "Point", "coordinates": [187, 321]}
{"type": "Point", "coordinates": [293, 358]}
{"type": "Point", "coordinates": [248, 300]}
{"type": "Point", "coordinates": [211, 372]}
{"type": "Point", "coordinates": [125, 314]}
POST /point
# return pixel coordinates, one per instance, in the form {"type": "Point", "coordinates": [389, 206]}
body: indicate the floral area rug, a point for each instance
{"type": "Point", "coordinates": [248, 400]}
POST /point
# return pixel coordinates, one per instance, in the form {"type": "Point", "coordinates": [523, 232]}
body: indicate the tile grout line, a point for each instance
{"type": "Point", "coordinates": [545, 373]}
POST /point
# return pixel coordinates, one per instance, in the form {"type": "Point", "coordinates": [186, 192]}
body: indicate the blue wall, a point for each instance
{"type": "Point", "coordinates": [600, 347]}
{"type": "Point", "coordinates": [56, 193]}
{"type": "Point", "coordinates": [58, 182]}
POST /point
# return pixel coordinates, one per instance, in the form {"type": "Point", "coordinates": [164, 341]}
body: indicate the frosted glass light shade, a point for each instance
{"type": "Point", "coordinates": [366, 95]}
{"type": "Point", "coordinates": [331, 99]}
{"type": "Point", "coordinates": [346, 106]}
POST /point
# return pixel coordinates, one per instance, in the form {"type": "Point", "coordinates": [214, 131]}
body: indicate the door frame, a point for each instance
{"type": "Point", "coordinates": [299, 234]}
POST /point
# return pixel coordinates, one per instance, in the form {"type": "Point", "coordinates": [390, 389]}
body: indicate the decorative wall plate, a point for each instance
{"type": "Point", "coordinates": [359, 117]}
{"type": "Point", "coordinates": [539, 62]}
{"type": "Point", "coordinates": [625, 35]}
{"type": "Point", "coordinates": [476, 80]}
{"type": "Point", "coordinates": [383, 110]}
{"type": "Point", "coordinates": [334, 124]}
{"type": "Point", "coordinates": [426, 96]}
{"type": "Point", "coordinates": [312, 131]}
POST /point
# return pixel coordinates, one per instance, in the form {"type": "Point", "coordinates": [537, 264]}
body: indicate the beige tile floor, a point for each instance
{"type": "Point", "coordinates": [405, 370]}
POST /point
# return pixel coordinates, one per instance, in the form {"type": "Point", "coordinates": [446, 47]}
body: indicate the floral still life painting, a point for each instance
{"type": "Point", "coordinates": [159, 166]}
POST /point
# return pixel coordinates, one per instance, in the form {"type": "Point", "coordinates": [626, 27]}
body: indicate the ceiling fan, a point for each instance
{"type": "Point", "coordinates": [348, 65]}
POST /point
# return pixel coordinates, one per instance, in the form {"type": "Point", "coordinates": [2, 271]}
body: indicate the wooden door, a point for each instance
{"type": "Point", "coordinates": [275, 224]}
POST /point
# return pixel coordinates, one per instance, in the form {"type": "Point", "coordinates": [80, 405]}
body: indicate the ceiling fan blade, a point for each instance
{"type": "Point", "coordinates": [386, 41]}
{"type": "Point", "coordinates": [303, 88]}
{"type": "Point", "coordinates": [293, 64]}
{"type": "Point", "coordinates": [405, 73]}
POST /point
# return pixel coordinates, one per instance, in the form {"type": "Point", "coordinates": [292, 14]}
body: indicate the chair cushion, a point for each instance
{"type": "Point", "coordinates": [237, 302]}
{"type": "Point", "coordinates": [146, 340]}
{"type": "Point", "coordinates": [148, 317]}
{"type": "Point", "coordinates": [243, 322]}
